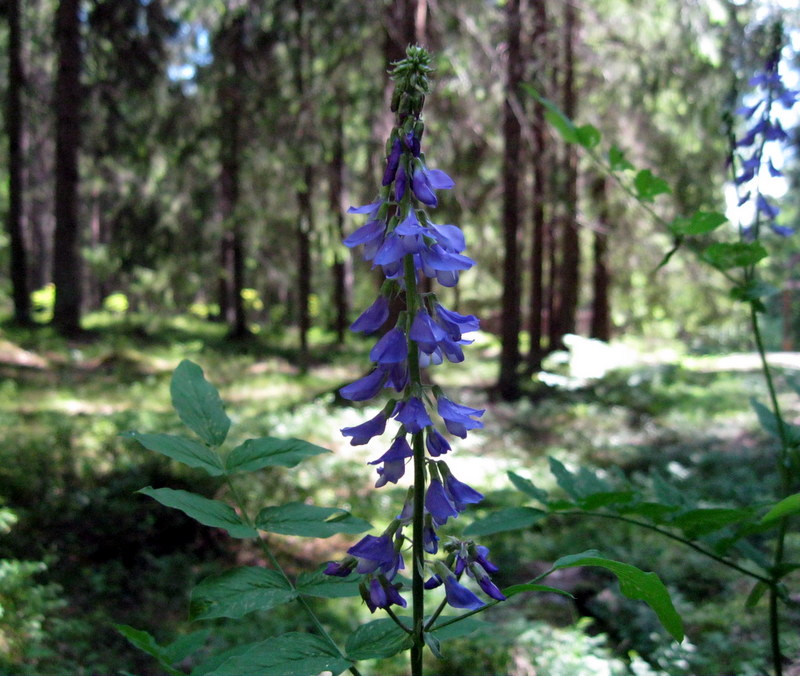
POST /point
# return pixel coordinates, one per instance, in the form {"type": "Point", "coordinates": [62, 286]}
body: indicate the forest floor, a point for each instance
{"type": "Point", "coordinates": [111, 556]}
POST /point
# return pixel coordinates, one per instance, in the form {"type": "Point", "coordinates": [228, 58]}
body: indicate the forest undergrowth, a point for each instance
{"type": "Point", "coordinates": [102, 554]}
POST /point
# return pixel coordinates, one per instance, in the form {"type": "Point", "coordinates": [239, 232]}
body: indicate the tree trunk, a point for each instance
{"type": "Point", "coordinates": [231, 102]}
{"type": "Point", "coordinates": [601, 313]}
{"type": "Point", "coordinates": [17, 253]}
{"type": "Point", "coordinates": [508, 384]}
{"type": "Point", "coordinates": [341, 261]}
{"type": "Point", "coordinates": [305, 226]}
{"type": "Point", "coordinates": [536, 308]}
{"type": "Point", "coordinates": [66, 252]}
{"type": "Point", "coordinates": [569, 276]}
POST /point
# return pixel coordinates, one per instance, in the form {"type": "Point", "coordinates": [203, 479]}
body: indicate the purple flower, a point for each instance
{"type": "Point", "coordinates": [424, 181]}
{"type": "Point", "coordinates": [390, 349]}
{"type": "Point", "coordinates": [430, 541]}
{"type": "Point", "coordinates": [459, 596]}
{"type": "Point", "coordinates": [365, 431]}
{"type": "Point", "coordinates": [455, 323]}
{"type": "Point", "coordinates": [438, 504]}
{"type": "Point", "coordinates": [392, 162]}
{"type": "Point", "coordinates": [769, 210]}
{"type": "Point", "coordinates": [482, 557]}
{"type": "Point", "coordinates": [400, 183]}
{"type": "Point", "coordinates": [425, 332]}
{"type": "Point", "coordinates": [374, 553]}
{"type": "Point", "coordinates": [436, 443]}
{"type": "Point", "coordinates": [372, 231]}
{"type": "Point", "coordinates": [381, 594]}
{"type": "Point", "coordinates": [457, 417]}
{"type": "Point", "coordinates": [397, 375]}
{"type": "Point", "coordinates": [364, 388]}
{"type": "Point", "coordinates": [394, 462]}
{"type": "Point", "coordinates": [460, 494]}
{"type": "Point", "coordinates": [340, 568]}
{"type": "Point", "coordinates": [373, 317]}
{"type": "Point", "coordinates": [413, 415]}
{"type": "Point", "coordinates": [490, 588]}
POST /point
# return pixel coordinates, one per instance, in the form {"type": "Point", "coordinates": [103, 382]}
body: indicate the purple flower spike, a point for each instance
{"type": "Point", "coordinates": [364, 388]}
{"type": "Point", "coordinates": [438, 504]}
{"type": "Point", "coordinates": [457, 417]}
{"type": "Point", "coordinates": [458, 596]}
{"type": "Point", "coordinates": [413, 415]}
{"type": "Point", "coordinates": [373, 317]}
{"type": "Point", "coordinates": [390, 349]}
{"type": "Point", "coordinates": [365, 431]}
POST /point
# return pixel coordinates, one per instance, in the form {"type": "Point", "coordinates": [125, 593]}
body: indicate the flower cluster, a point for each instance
{"type": "Point", "coordinates": [763, 128]}
{"type": "Point", "coordinates": [400, 239]}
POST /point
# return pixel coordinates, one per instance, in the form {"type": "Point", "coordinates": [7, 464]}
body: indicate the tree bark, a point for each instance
{"type": "Point", "coordinates": [18, 256]}
{"type": "Point", "coordinates": [601, 279]}
{"type": "Point", "coordinates": [536, 307]}
{"type": "Point", "coordinates": [508, 384]}
{"type": "Point", "coordinates": [569, 277]}
{"type": "Point", "coordinates": [231, 101]}
{"type": "Point", "coordinates": [341, 262]}
{"type": "Point", "coordinates": [66, 252]}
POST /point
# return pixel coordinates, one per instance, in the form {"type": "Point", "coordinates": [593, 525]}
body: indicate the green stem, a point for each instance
{"type": "Point", "coordinates": [268, 553]}
{"type": "Point", "coordinates": [418, 446]}
{"type": "Point", "coordinates": [435, 615]}
{"type": "Point", "coordinates": [656, 529]}
{"type": "Point", "coordinates": [785, 489]}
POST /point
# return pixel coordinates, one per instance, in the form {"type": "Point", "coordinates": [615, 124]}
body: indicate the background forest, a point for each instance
{"type": "Point", "coordinates": [177, 177]}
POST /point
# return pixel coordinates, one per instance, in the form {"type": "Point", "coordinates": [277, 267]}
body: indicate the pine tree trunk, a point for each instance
{"type": "Point", "coordinates": [17, 253]}
{"type": "Point", "coordinates": [231, 102]}
{"type": "Point", "coordinates": [305, 227]}
{"type": "Point", "coordinates": [601, 280]}
{"type": "Point", "coordinates": [508, 384]}
{"type": "Point", "coordinates": [66, 252]}
{"type": "Point", "coordinates": [536, 307]}
{"type": "Point", "coordinates": [341, 261]}
{"type": "Point", "coordinates": [569, 270]}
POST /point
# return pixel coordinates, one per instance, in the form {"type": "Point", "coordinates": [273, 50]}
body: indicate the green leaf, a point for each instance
{"type": "Point", "coordinates": [217, 659]}
{"type": "Point", "coordinates": [327, 586]}
{"type": "Point", "coordinates": [255, 454]}
{"type": "Point", "coordinates": [376, 640]}
{"type": "Point", "coordinates": [208, 512]}
{"type": "Point", "coordinates": [184, 450]}
{"type": "Point", "coordinates": [240, 591]}
{"type": "Point", "coordinates": [771, 424]}
{"type": "Point", "coordinates": [461, 628]}
{"type": "Point", "coordinates": [702, 521]}
{"type": "Point", "coordinates": [513, 590]}
{"type": "Point", "coordinates": [753, 291]}
{"type": "Point", "coordinates": [510, 518]}
{"type": "Point", "coordinates": [617, 160]}
{"type": "Point", "coordinates": [635, 584]}
{"type": "Point", "coordinates": [727, 255]}
{"type": "Point", "coordinates": [654, 511]}
{"type": "Point", "coordinates": [433, 644]}
{"type": "Point", "coordinates": [146, 643]}
{"type": "Point", "coordinates": [292, 654]}
{"type": "Point", "coordinates": [588, 136]}
{"type": "Point", "coordinates": [184, 646]}
{"type": "Point", "coordinates": [198, 403]}
{"type": "Point", "coordinates": [606, 498]}
{"type": "Point", "coordinates": [648, 186]}
{"type": "Point", "coordinates": [700, 223]}
{"type": "Point", "coordinates": [581, 486]}
{"type": "Point", "coordinates": [755, 595]}
{"type": "Point", "coordinates": [562, 124]}
{"type": "Point", "coordinates": [787, 506]}
{"type": "Point", "coordinates": [527, 486]}
{"type": "Point", "coordinates": [297, 518]}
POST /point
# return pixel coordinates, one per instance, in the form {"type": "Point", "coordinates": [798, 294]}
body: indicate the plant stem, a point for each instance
{"type": "Point", "coordinates": [784, 490]}
{"type": "Point", "coordinates": [418, 446]}
{"type": "Point", "coordinates": [268, 553]}
{"type": "Point", "coordinates": [656, 529]}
